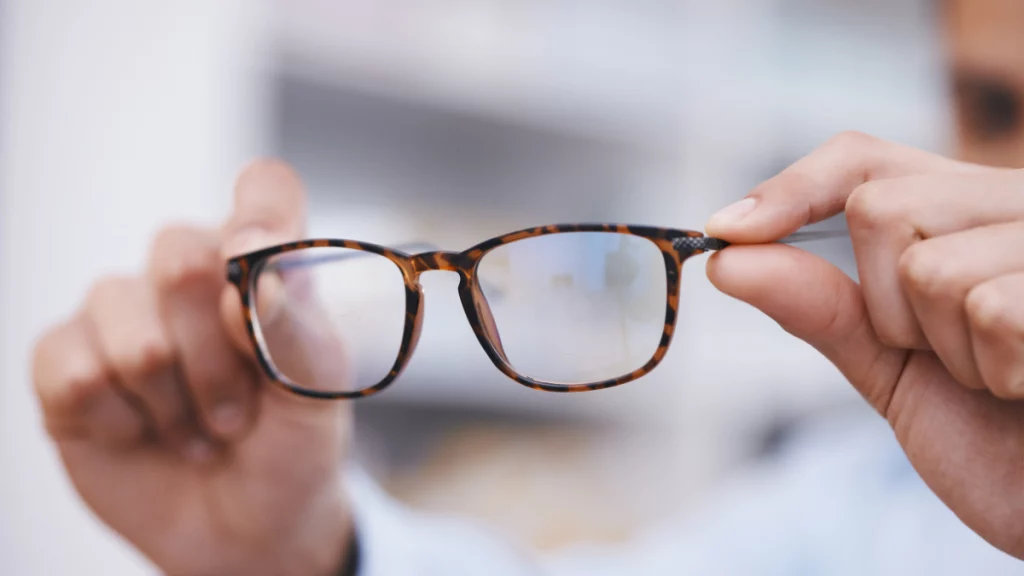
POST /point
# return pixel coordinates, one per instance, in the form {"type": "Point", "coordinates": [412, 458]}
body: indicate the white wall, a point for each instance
{"type": "Point", "coordinates": [118, 116]}
{"type": "Point", "coordinates": [5, 539]}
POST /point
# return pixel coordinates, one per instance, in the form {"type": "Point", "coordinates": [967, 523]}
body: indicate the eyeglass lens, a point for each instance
{"type": "Point", "coordinates": [577, 307]}
{"type": "Point", "coordinates": [568, 308]}
{"type": "Point", "coordinates": [331, 319]}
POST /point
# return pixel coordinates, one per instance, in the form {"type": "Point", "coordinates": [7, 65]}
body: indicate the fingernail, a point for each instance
{"type": "Point", "coordinates": [199, 450]}
{"type": "Point", "coordinates": [734, 213]}
{"type": "Point", "coordinates": [228, 419]}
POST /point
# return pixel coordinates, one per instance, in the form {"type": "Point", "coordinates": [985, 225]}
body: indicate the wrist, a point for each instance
{"type": "Point", "coordinates": [352, 559]}
{"type": "Point", "coordinates": [322, 550]}
{"type": "Point", "coordinates": [319, 544]}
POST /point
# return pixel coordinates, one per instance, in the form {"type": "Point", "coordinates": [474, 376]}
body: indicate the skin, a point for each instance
{"type": "Point", "coordinates": [173, 438]}
{"type": "Point", "coordinates": [933, 337]}
{"type": "Point", "coordinates": [986, 51]}
{"type": "Point", "coordinates": [165, 425]}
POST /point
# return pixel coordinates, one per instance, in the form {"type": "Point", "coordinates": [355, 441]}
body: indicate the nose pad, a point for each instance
{"type": "Point", "coordinates": [483, 311]}
{"type": "Point", "coordinates": [483, 315]}
{"type": "Point", "coordinates": [417, 325]}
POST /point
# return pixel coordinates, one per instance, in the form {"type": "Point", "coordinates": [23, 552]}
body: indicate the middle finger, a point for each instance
{"type": "Point", "coordinates": [938, 274]}
{"type": "Point", "coordinates": [123, 314]}
{"type": "Point", "coordinates": [887, 217]}
{"type": "Point", "coordinates": [187, 271]}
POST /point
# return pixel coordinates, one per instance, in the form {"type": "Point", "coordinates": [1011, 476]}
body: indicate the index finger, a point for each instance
{"type": "Point", "coordinates": [818, 186]}
{"type": "Point", "coordinates": [269, 208]}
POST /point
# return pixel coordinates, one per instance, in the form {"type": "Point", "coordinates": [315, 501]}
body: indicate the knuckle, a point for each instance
{"type": "Point", "coordinates": [82, 383]}
{"type": "Point", "coordinates": [1016, 383]}
{"type": "Point", "coordinates": [870, 206]}
{"type": "Point", "coordinates": [1008, 388]}
{"type": "Point", "coordinates": [924, 271]}
{"type": "Point", "coordinates": [987, 310]}
{"type": "Point", "coordinates": [147, 357]}
{"type": "Point", "coordinates": [1006, 382]}
{"type": "Point", "coordinates": [66, 373]}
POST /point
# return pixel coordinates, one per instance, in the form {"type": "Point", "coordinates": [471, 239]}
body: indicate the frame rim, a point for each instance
{"type": "Point", "coordinates": [243, 270]}
{"type": "Point", "coordinates": [662, 238]}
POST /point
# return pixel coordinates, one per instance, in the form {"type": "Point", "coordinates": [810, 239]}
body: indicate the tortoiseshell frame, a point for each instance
{"type": "Point", "coordinates": [675, 245]}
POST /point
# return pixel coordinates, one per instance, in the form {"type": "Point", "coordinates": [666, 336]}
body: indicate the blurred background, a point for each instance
{"type": "Point", "coordinates": [448, 121]}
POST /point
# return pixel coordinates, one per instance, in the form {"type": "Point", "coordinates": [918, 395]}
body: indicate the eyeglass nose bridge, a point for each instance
{"type": "Point", "coordinates": [474, 303]}
{"type": "Point", "coordinates": [442, 261]}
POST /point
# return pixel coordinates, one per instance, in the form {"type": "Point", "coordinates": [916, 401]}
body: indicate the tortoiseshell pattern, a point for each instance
{"type": "Point", "coordinates": [676, 246]}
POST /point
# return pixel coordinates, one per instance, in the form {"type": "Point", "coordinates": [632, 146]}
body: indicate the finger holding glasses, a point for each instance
{"type": "Point", "coordinates": [933, 335]}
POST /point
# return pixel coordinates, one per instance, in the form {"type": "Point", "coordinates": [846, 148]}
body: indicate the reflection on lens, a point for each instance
{"type": "Point", "coordinates": [577, 307]}
{"type": "Point", "coordinates": [331, 319]}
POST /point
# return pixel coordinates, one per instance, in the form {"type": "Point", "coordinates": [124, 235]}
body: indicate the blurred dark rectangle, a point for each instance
{"type": "Point", "coordinates": [381, 149]}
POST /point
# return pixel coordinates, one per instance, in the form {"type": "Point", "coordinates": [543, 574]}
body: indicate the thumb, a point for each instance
{"type": "Point", "coordinates": [816, 302]}
{"type": "Point", "coordinates": [269, 208]}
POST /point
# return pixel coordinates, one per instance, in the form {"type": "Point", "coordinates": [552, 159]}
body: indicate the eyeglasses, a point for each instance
{"type": "Point", "coordinates": [560, 308]}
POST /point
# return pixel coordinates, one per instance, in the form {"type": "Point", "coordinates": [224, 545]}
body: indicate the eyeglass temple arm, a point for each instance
{"type": "Point", "coordinates": [708, 244]}
{"type": "Point", "coordinates": [701, 243]}
{"type": "Point", "coordinates": [812, 235]}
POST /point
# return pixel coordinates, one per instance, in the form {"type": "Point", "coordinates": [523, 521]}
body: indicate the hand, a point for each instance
{"type": "Point", "coordinates": [933, 337]}
{"type": "Point", "coordinates": [168, 429]}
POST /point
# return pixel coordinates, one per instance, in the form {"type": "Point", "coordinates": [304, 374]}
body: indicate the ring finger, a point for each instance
{"type": "Point", "coordinates": [996, 313]}
{"type": "Point", "coordinates": [888, 217]}
{"type": "Point", "coordinates": [124, 317]}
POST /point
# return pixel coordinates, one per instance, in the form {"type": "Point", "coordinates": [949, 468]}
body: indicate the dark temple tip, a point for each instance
{"type": "Point", "coordinates": [715, 244]}
{"type": "Point", "coordinates": [234, 272]}
{"type": "Point", "coordinates": [689, 245]}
